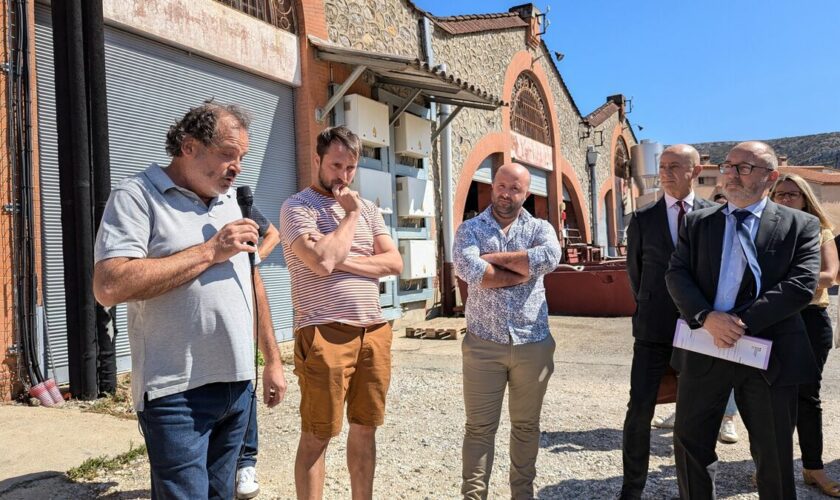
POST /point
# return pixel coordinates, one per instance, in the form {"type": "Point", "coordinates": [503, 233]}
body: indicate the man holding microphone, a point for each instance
{"type": "Point", "coordinates": [174, 246]}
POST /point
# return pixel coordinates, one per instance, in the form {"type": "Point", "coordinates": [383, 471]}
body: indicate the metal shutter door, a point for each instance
{"type": "Point", "coordinates": [149, 86]}
{"type": "Point", "coordinates": [539, 178]}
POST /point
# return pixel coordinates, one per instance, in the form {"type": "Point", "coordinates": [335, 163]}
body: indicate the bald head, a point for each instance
{"type": "Point", "coordinates": [514, 171]}
{"type": "Point", "coordinates": [509, 191]}
{"type": "Point", "coordinates": [685, 151]}
{"type": "Point", "coordinates": [678, 166]}
{"type": "Point", "coordinates": [761, 151]}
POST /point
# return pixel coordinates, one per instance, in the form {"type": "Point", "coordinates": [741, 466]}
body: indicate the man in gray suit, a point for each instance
{"type": "Point", "coordinates": [747, 267]}
{"type": "Point", "coordinates": [651, 237]}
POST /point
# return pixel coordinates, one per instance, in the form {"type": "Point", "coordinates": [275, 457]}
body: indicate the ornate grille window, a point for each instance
{"type": "Point", "coordinates": [279, 13]}
{"type": "Point", "coordinates": [621, 160]}
{"type": "Point", "coordinates": [528, 115]}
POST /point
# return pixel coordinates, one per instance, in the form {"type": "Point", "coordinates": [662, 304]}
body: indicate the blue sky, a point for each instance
{"type": "Point", "coordinates": [697, 71]}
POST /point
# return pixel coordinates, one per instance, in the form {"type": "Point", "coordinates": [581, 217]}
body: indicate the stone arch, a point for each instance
{"type": "Point", "coordinates": [572, 184]}
{"type": "Point", "coordinates": [492, 143]}
{"type": "Point", "coordinates": [608, 191]}
{"type": "Point", "coordinates": [523, 62]}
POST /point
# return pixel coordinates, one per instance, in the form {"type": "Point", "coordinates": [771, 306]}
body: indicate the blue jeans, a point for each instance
{"type": "Point", "coordinates": [249, 451]}
{"type": "Point", "coordinates": [193, 439]}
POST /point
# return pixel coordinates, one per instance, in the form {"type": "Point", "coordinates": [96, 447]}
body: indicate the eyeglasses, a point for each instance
{"type": "Point", "coordinates": [791, 195]}
{"type": "Point", "coordinates": [741, 168]}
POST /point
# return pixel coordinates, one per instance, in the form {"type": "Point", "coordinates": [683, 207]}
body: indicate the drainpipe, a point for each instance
{"type": "Point", "coordinates": [447, 215]}
{"type": "Point", "coordinates": [445, 145]}
{"type": "Point", "coordinates": [592, 161]}
{"type": "Point", "coordinates": [76, 196]}
{"type": "Point", "coordinates": [94, 46]}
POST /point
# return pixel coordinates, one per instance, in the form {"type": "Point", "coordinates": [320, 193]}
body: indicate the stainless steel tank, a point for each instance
{"type": "Point", "coordinates": [644, 165]}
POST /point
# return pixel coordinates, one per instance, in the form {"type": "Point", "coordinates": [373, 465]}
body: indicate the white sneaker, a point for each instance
{"type": "Point", "coordinates": [728, 434]}
{"type": "Point", "coordinates": [246, 483]}
{"type": "Point", "coordinates": [664, 422]}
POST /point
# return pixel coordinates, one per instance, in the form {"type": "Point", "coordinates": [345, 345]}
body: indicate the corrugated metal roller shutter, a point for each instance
{"type": "Point", "coordinates": [539, 178]}
{"type": "Point", "coordinates": [149, 86]}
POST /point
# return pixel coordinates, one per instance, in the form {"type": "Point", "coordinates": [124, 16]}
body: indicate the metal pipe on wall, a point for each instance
{"type": "Point", "coordinates": [592, 162]}
{"type": "Point", "coordinates": [94, 48]}
{"type": "Point", "coordinates": [447, 216]}
{"type": "Point", "coordinates": [76, 195]}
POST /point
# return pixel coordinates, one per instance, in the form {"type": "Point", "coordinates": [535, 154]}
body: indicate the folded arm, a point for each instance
{"type": "Point", "coordinates": [322, 252]}
{"type": "Point", "coordinates": [385, 261]}
{"type": "Point", "coordinates": [476, 271]}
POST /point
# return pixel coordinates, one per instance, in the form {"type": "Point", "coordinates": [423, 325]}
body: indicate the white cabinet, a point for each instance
{"type": "Point", "coordinates": [413, 136]}
{"type": "Point", "coordinates": [374, 185]}
{"type": "Point", "coordinates": [419, 259]}
{"type": "Point", "coordinates": [415, 197]}
{"type": "Point", "coordinates": [368, 119]}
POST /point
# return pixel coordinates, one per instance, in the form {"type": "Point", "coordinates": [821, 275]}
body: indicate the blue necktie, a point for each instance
{"type": "Point", "coordinates": [748, 246]}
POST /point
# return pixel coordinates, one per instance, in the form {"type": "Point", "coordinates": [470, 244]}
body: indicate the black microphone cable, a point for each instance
{"type": "Point", "coordinates": [245, 199]}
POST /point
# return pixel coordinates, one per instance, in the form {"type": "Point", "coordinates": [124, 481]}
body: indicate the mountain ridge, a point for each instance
{"type": "Point", "coordinates": [815, 149]}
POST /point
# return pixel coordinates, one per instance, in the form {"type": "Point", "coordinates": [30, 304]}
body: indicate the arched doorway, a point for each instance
{"type": "Point", "coordinates": [478, 195]}
{"type": "Point", "coordinates": [572, 217]}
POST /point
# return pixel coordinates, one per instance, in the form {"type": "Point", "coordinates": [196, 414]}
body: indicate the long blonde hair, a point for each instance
{"type": "Point", "coordinates": [812, 206]}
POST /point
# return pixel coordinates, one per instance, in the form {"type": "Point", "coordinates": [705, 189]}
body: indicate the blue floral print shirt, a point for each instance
{"type": "Point", "coordinates": [511, 315]}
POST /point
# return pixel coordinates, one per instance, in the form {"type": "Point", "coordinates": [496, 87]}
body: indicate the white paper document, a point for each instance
{"type": "Point", "coordinates": [750, 351]}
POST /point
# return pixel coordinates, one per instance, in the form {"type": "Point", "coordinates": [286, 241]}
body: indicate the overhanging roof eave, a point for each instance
{"type": "Point", "coordinates": [409, 72]}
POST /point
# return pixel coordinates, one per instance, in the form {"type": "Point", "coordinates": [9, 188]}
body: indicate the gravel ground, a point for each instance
{"type": "Point", "coordinates": [419, 445]}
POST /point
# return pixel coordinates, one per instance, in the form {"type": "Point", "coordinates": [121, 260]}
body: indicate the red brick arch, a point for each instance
{"type": "Point", "coordinates": [492, 143]}
{"type": "Point", "coordinates": [607, 189]}
{"type": "Point", "coordinates": [523, 61]}
{"type": "Point", "coordinates": [572, 183]}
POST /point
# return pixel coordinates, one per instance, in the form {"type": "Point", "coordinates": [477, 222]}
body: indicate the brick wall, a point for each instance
{"type": "Point", "coordinates": [7, 363]}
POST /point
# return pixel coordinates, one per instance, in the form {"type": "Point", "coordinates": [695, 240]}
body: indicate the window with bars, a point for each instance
{"type": "Point", "coordinates": [528, 114]}
{"type": "Point", "coordinates": [279, 13]}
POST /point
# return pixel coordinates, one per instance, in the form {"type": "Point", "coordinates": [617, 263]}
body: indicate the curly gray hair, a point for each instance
{"type": "Point", "coordinates": [201, 122]}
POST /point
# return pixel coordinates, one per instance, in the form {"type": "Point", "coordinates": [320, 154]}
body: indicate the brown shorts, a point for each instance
{"type": "Point", "coordinates": [335, 363]}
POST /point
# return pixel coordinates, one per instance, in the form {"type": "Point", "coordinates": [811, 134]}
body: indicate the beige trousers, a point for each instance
{"type": "Point", "coordinates": [489, 368]}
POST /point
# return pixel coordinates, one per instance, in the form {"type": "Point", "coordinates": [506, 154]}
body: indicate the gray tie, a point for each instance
{"type": "Point", "coordinates": [748, 246]}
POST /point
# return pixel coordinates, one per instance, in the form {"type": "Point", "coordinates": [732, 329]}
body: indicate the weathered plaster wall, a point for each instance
{"type": "Point", "coordinates": [248, 43]}
{"type": "Point", "coordinates": [385, 26]}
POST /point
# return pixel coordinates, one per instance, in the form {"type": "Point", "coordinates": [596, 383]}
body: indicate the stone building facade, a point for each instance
{"type": "Point", "coordinates": [491, 51]}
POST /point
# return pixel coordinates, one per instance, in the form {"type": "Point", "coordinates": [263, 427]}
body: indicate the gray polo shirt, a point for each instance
{"type": "Point", "coordinates": [202, 331]}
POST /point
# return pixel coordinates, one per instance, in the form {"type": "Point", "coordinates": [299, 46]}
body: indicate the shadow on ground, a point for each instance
{"type": "Point", "coordinates": [56, 485]}
{"type": "Point", "coordinates": [661, 444]}
{"type": "Point", "coordinates": [733, 479]}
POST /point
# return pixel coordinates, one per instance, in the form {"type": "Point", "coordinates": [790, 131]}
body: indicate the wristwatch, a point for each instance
{"type": "Point", "coordinates": [699, 318]}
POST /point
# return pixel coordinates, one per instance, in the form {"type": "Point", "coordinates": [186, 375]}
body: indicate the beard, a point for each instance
{"type": "Point", "coordinates": [740, 191]}
{"type": "Point", "coordinates": [506, 208]}
{"type": "Point", "coordinates": [328, 186]}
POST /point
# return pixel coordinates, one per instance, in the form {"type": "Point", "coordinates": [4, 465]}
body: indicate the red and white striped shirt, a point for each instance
{"type": "Point", "coordinates": [340, 297]}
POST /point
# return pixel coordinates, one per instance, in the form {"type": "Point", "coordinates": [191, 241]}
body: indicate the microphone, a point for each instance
{"type": "Point", "coordinates": [245, 200]}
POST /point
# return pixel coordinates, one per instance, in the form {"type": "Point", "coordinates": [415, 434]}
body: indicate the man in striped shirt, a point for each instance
{"type": "Point", "coordinates": [337, 247]}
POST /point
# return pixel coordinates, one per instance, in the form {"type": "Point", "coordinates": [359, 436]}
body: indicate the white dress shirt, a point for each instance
{"type": "Point", "coordinates": [673, 210]}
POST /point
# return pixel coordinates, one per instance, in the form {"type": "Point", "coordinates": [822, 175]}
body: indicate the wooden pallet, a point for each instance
{"type": "Point", "coordinates": [441, 331]}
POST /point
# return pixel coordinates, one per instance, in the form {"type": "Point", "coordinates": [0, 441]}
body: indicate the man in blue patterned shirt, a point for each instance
{"type": "Point", "coordinates": [503, 254]}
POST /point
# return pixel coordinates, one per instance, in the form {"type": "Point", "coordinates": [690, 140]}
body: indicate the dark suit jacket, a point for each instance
{"type": "Point", "coordinates": [788, 246]}
{"type": "Point", "coordinates": [649, 248]}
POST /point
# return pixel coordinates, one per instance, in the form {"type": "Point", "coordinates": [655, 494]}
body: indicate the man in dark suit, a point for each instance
{"type": "Point", "coordinates": [651, 237]}
{"type": "Point", "coordinates": [747, 267]}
